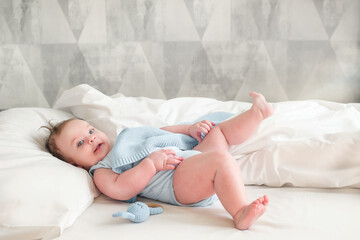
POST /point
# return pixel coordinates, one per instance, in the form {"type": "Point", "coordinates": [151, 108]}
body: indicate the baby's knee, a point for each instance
{"type": "Point", "coordinates": [222, 158]}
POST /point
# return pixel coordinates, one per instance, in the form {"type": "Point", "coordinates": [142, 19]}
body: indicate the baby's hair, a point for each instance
{"type": "Point", "coordinates": [55, 131]}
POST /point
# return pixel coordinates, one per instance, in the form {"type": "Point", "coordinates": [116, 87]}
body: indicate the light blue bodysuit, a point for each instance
{"type": "Point", "coordinates": [135, 144]}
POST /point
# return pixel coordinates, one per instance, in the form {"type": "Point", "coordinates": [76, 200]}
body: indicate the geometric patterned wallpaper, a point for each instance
{"type": "Point", "coordinates": [286, 49]}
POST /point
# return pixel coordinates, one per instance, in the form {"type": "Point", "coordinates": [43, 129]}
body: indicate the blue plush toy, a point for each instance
{"type": "Point", "coordinates": [138, 211]}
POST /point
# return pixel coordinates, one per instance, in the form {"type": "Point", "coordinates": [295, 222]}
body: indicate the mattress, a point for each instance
{"type": "Point", "coordinates": [293, 213]}
{"type": "Point", "coordinates": [305, 158]}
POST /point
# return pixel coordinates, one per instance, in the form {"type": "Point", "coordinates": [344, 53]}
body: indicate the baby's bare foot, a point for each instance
{"type": "Point", "coordinates": [248, 214]}
{"type": "Point", "coordinates": [260, 104]}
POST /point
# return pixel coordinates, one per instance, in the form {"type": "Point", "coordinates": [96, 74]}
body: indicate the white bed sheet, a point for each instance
{"type": "Point", "coordinates": [293, 213]}
{"type": "Point", "coordinates": [305, 144]}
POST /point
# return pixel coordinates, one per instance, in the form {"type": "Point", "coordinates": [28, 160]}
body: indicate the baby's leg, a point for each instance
{"type": "Point", "coordinates": [236, 130]}
{"type": "Point", "coordinates": [200, 176]}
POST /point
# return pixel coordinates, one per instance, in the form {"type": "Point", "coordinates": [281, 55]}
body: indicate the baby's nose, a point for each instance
{"type": "Point", "coordinates": [92, 138]}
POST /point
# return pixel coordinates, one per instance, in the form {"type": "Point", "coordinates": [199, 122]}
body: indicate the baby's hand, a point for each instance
{"type": "Point", "coordinates": [197, 128]}
{"type": "Point", "coordinates": [165, 159]}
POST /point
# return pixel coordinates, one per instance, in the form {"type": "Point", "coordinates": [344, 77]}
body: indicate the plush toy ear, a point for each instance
{"type": "Point", "coordinates": [126, 215]}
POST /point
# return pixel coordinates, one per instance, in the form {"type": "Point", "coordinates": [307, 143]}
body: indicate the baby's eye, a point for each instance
{"type": "Point", "coordinates": [91, 131]}
{"type": "Point", "coordinates": [80, 143]}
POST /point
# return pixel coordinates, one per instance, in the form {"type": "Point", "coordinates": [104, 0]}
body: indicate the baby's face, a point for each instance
{"type": "Point", "coordinates": [81, 144]}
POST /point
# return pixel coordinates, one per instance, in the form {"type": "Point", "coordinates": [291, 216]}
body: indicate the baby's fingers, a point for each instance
{"type": "Point", "coordinates": [175, 160]}
{"type": "Point", "coordinates": [203, 126]}
{"type": "Point", "coordinates": [207, 124]}
{"type": "Point", "coordinates": [172, 163]}
{"type": "Point", "coordinates": [169, 151]}
{"type": "Point", "coordinates": [205, 131]}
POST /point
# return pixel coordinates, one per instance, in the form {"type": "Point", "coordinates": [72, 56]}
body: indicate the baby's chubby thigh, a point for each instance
{"type": "Point", "coordinates": [215, 140]}
{"type": "Point", "coordinates": [194, 177]}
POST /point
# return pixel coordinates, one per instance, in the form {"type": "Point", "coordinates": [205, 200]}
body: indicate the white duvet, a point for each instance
{"type": "Point", "coordinates": [304, 144]}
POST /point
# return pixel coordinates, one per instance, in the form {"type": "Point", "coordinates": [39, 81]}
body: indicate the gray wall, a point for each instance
{"type": "Point", "coordinates": [286, 49]}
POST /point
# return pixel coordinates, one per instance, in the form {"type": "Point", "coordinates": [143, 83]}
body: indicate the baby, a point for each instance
{"type": "Point", "coordinates": [174, 164]}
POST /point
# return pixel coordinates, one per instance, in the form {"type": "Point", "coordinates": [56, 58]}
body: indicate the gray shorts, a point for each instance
{"type": "Point", "coordinates": [161, 188]}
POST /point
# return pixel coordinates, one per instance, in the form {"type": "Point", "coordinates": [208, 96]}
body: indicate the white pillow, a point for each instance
{"type": "Point", "coordinates": [37, 189]}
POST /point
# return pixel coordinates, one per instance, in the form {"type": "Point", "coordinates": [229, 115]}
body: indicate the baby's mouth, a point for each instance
{"type": "Point", "coordinates": [97, 147]}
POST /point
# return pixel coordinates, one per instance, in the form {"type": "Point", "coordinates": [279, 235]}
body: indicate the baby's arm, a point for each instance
{"type": "Point", "coordinates": [131, 182]}
{"type": "Point", "coordinates": [193, 130]}
{"type": "Point", "coordinates": [184, 129]}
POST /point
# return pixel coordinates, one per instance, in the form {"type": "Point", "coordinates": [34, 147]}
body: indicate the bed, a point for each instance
{"type": "Point", "coordinates": [305, 157]}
